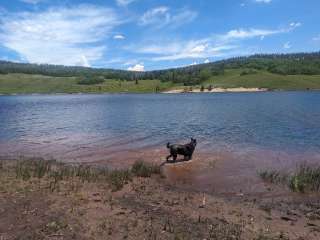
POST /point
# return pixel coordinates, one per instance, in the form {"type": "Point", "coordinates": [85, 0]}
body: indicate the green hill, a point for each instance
{"type": "Point", "coordinates": [298, 71]}
{"type": "Point", "coordinates": [262, 79]}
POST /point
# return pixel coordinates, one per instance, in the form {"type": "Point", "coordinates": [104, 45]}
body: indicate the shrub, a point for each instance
{"type": "Point", "coordinates": [305, 179]}
{"type": "Point", "coordinates": [118, 178]}
{"type": "Point", "coordinates": [273, 176]}
{"type": "Point", "coordinates": [142, 169]}
{"type": "Point", "coordinates": [90, 80]}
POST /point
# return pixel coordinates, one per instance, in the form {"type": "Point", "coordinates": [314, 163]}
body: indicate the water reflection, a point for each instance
{"type": "Point", "coordinates": [62, 124]}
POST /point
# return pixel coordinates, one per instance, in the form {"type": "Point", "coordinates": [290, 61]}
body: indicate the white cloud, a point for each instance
{"type": "Point", "coordinates": [32, 1]}
{"type": "Point", "coordinates": [68, 36]}
{"type": "Point", "coordinates": [124, 2]}
{"type": "Point", "coordinates": [263, 1]}
{"type": "Point", "coordinates": [119, 37]}
{"type": "Point", "coordinates": [237, 34]}
{"type": "Point", "coordinates": [163, 16]}
{"type": "Point", "coordinates": [287, 45]}
{"type": "Point", "coordinates": [295, 24]}
{"type": "Point", "coordinates": [317, 38]}
{"type": "Point", "coordinates": [206, 61]}
{"type": "Point", "coordinates": [137, 68]}
{"type": "Point", "coordinates": [193, 49]}
{"type": "Point", "coordinates": [214, 46]}
{"type": "Point", "coordinates": [248, 33]}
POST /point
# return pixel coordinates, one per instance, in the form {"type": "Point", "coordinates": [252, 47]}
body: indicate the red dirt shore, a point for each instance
{"type": "Point", "coordinates": [155, 207]}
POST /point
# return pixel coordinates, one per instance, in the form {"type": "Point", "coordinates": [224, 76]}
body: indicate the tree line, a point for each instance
{"type": "Point", "coordinates": [285, 64]}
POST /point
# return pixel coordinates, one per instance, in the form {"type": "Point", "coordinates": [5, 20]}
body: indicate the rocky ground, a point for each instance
{"type": "Point", "coordinates": [148, 207]}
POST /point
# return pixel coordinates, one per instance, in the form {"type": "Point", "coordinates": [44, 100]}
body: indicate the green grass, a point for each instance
{"type": "Point", "coordinates": [232, 78]}
{"type": "Point", "coordinates": [262, 79]}
{"type": "Point", "coordinates": [273, 176]}
{"type": "Point", "coordinates": [28, 83]}
{"type": "Point", "coordinates": [142, 169]}
{"type": "Point", "coordinates": [55, 172]}
{"type": "Point", "coordinates": [304, 178]}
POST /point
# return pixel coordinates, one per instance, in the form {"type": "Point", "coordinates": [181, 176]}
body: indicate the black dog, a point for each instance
{"type": "Point", "coordinates": [186, 150]}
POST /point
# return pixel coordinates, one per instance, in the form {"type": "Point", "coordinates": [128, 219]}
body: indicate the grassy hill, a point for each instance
{"type": "Point", "coordinates": [298, 71]}
{"type": "Point", "coordinates": [262, 79]}
{"type": "Point", "coordinates": [29, 83]}
{"type": "Point", "coordinates": [233, 78]}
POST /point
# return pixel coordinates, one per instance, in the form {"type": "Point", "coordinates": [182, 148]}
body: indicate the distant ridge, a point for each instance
{"type": "Point", "coordinates": [284, 64]}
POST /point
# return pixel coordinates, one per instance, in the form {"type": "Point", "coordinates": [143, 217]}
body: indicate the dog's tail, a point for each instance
{"type": "Point", "coordinates": [168, 145]}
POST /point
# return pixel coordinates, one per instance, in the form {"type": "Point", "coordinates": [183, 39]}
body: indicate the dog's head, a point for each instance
{"type": "Point", "coordinates": [193, 142]}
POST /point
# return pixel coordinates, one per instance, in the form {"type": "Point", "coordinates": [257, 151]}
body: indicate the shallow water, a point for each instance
{"type": "Point", "coordinates": [253, 129]}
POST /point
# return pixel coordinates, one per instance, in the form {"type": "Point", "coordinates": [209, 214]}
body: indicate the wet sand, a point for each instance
{"type": "Point", "coordinates": [225, 172]}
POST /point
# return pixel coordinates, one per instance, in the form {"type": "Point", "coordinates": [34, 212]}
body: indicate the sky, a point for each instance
{"type": "Point", "coordinates": [144, 35]}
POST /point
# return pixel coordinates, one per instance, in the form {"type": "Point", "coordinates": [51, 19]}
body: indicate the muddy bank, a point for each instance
{"type": "Point", "coordinates": [224, 172]}
{"type": "Point", "coordinates": [145, 208]}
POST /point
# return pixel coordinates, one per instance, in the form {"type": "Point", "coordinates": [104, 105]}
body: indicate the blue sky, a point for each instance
{"type": "Point", "coordinates": [153, 34]}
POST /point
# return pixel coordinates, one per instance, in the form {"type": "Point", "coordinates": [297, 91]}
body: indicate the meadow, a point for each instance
{"type": "Point", "coordinates": [28, 83]}
{"type": "Point", "coordinates": [19, 83]}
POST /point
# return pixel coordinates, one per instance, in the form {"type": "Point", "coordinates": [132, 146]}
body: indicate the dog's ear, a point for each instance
{"type": "Point", "coordinates": [191, 139]}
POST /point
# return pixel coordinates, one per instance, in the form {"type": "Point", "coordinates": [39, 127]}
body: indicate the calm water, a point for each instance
{"type": "Point", "coordinates": [286, 121]}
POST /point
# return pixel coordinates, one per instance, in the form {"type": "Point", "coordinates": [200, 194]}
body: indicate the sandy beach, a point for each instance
{"type": "Point", "coordinates": [217, 90]}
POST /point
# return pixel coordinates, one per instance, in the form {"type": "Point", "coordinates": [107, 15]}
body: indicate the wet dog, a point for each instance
{"type": "Point", "coordinates": [185, 150]}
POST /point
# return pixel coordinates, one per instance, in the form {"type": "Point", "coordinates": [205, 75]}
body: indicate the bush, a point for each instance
{"type": "Point", "coordinates": [142, 169]}
{"type": "Point", "coordinates": [273, 176]}
{"type": "Point", "coordinates": [304, 178]}
{"type": "Point", "coordinates": [118, 178]}
{"type": "Point", "coordinates": [248, 72]}
{"type": "Point", "coordinates": [90, 80]}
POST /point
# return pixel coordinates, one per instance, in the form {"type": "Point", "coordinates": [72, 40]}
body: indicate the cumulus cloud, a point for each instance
{"type": "Point", "coordinates": [287, 45]}
{"type": "Point", "coordinates": [137, 68]}
{"type": "Point", "coordinates": [68, 36]}
{"type": "Point", "coordinates": [295, 24]}
{"type": "Point", "coordinates": [32, 1]}
{"type": "Point", "coordinates": [206, 61]}
{"type": "Point", "coordinates": [163, 16]}
{"type": "Point", "coordinates": [317, 38]}
{"type": "Point", "coordinates": [119, 37]}
{"type": "Point", "coordinates": [263, 1]}
{"type": "Point", "coordinates": [124, 2]}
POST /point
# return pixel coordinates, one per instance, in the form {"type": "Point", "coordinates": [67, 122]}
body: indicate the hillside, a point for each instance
{"type": "Point", "coordinates": [29, 83]}
{"type": "Point", "coordinates": [275, 71]}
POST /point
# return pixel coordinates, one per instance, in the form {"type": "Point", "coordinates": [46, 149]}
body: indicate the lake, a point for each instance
{"type": "Point", "coordinates": [254, 129]}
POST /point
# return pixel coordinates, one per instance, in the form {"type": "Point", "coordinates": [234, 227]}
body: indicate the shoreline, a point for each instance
{"type": "Point", "coordinates": [90, 203]}
{"type": "Point", "coordinates": [218, 90]}
{"type": "Point", "coordinates": [172, 91]}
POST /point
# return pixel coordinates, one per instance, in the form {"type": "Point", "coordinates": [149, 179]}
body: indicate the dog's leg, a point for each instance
{"type": "Point", "coordinates": [175, 157]}
{"type": "Point", "coordinates": [169, 157]}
